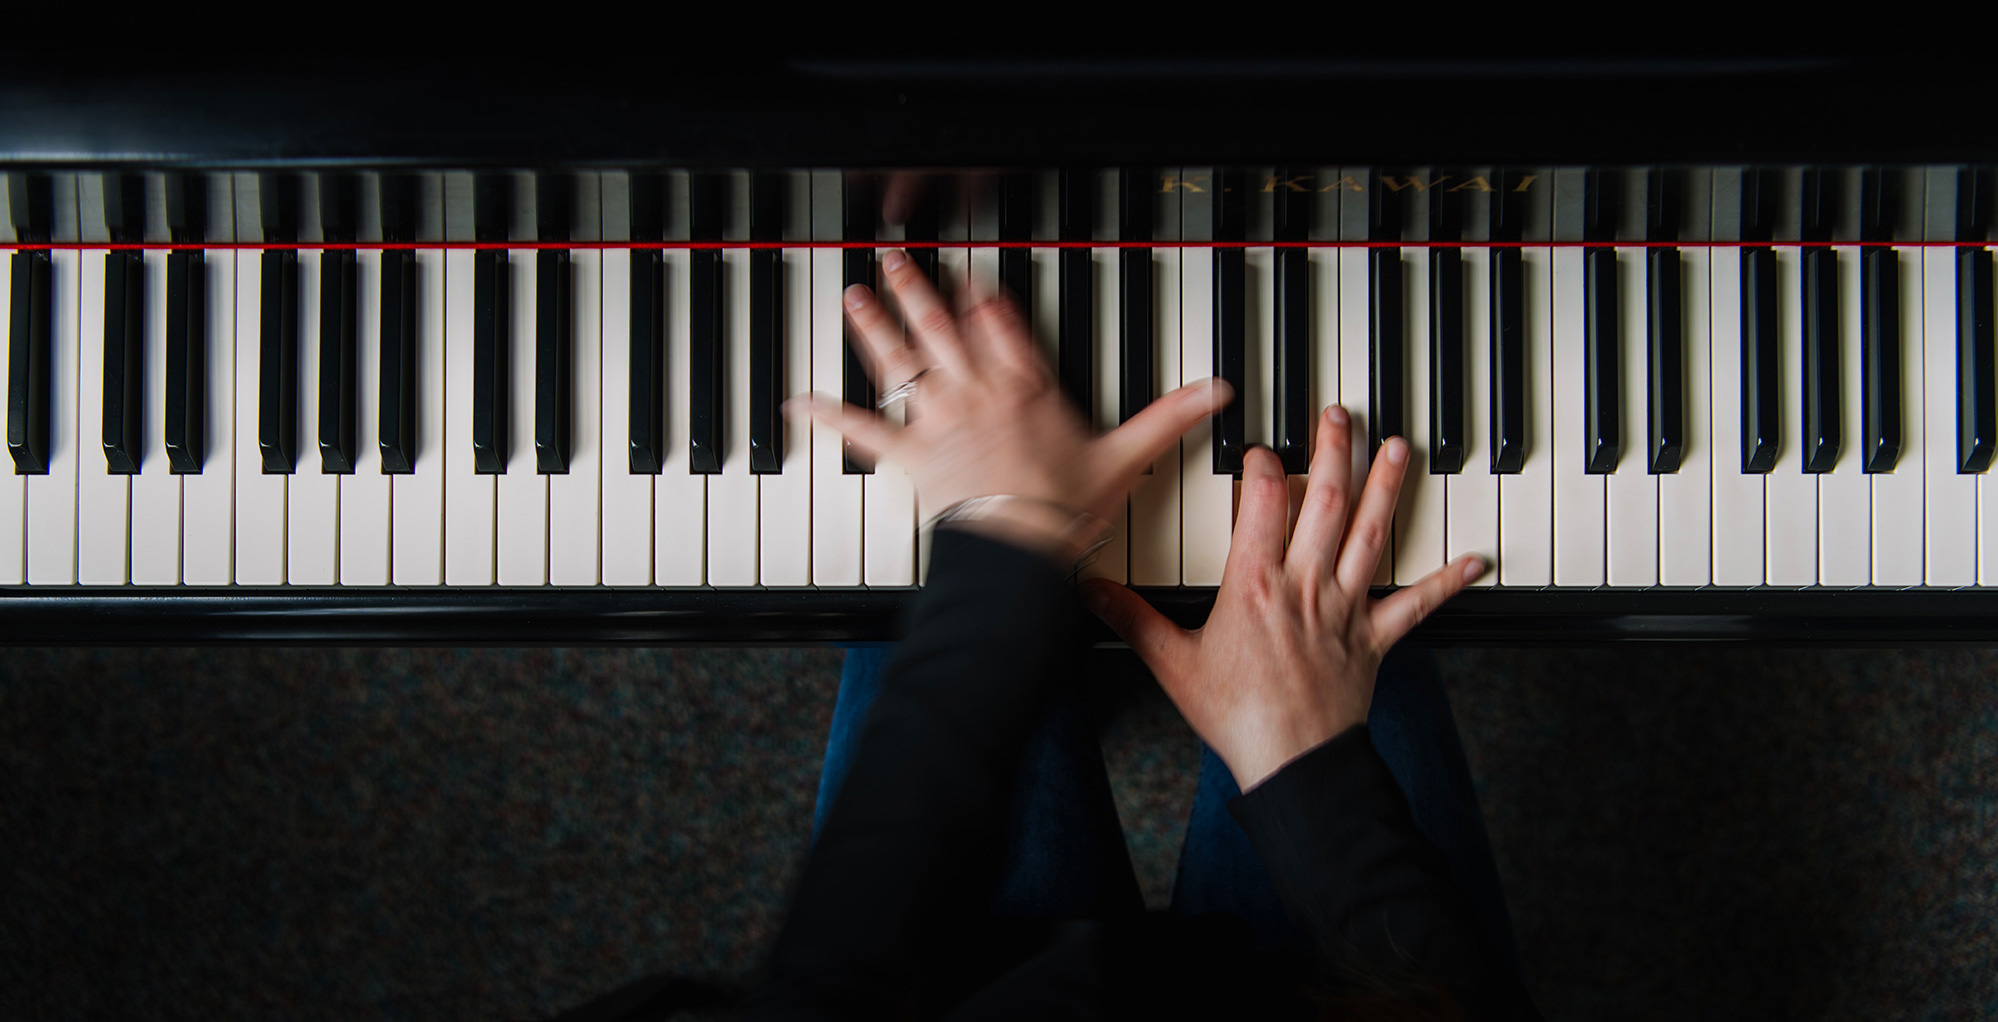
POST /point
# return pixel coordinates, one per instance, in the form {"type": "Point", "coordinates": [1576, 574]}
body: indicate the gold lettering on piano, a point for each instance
{"type": "Point", "coordinates": [1200, 183]}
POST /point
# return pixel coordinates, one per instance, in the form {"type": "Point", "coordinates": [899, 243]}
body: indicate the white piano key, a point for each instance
{"type": "Point", "coordinates": [523, 492]}
{"type": "Point", "coordinates": [1154, 508]}
{"type": "Point", "coordinates": [156, 534]}
{"type": "Point", "coordinates": [208, 499]}
{"type": "Point", "coordinates": [1898, 540]}
{"type": "Point", "coordinates": [680, 497]}
{"type": "Point", "coordinates": [1631, 492]}
{"type": "Point", "coordinates": [1355, 337]}
{"type": "Point", "coordinates": [1526, 498]}
{"type": "Point", "coordinates": [1844, 519]}
{"type": "Point", "coordinates": [1737, 495]}
{"type": "Point", "coordinates": [1987, 527]}
{"type": "Point", "coordinates": [1259, 311]}
{"type": "Point", "coordinates": [786, 496]}
{"type": "Point", "coordinates": [260, 499]}
{"type": "Point", "coordinates": [13, 488]}
{"type": "Point", "coordinates": [1325, 353]}
{"type": "Point", "coordinates": [103, 500]}
{"type": "Point", "coordinates": [627, 496]}
{"type": "Point", "coordinates": [836, 496]}
{"type": "Point", "coordinates": [1207, 499]}
{"type": "Point", "coordinates": [1113, 561]}
{"type": "Point", "coordinates": [1685, 497]}
{"type": "Point", "coordinates": [52, 497]}
{"type": "Point", "coordinates": [364, 495]}
{"type": "Point", "coordinates": [1472, 496]}
{"type": "Point", "coordinates": [1790, 497]}
{"type": "Point", "coordinates": [732, 495]}
{"type": "Point", "coordinates": [1419, 516]}
{"type": "Point", "coordinates": [468, 496]}
{"type": "Point", "coordinates": [1950, 498]}
{"type": "Point", "coordinates": [416, 500]}
{"type": "Point", "coordinates": [1580, 510]}
{"type": "Point", "coordinates": [984, 259]}
{"type": "Point", "coordinates": [312, 498]}
{"type": "Point", "coordinates": [575, 497]}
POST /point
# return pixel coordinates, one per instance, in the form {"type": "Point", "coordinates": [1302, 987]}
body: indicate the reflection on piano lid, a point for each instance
{"type": "Point", "coordinates": [1669, 396]}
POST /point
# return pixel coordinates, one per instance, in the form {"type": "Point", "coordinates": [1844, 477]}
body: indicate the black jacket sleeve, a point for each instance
{"type": "Point", "coordinates": [1365, 886]}
{"type": "Point", "coordinates": [891, 915]}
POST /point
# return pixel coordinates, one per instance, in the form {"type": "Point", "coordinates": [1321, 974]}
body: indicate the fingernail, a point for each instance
{"type": "Point", "coordinates": [893, 260]}
{"type": "Point", "coordinates": [856, 297]}
{"type": "Point", "coordinates": [1473, 568]}
{"type": "Point", "coordinates": [1338, 415]}
{"type": "Point", "coordinates": [1395, 453]}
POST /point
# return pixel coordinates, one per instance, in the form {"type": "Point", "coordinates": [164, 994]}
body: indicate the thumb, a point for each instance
{"type": "Point", "coordinates": [1150, 634]}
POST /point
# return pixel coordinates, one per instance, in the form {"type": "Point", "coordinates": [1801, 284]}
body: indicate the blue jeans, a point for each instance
{"type": "Point", "coordinates": [1066, 856]}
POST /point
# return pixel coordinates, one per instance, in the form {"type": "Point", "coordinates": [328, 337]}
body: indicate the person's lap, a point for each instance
{"type": "Point", "coordinates": [1066, 856]}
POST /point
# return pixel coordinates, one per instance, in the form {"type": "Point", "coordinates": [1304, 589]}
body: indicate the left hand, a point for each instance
{"type": "Point", "coordinates": [987, 417]}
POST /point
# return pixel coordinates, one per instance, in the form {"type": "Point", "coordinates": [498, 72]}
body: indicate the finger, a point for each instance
{"type": "Point", "coordinates": [1314, 544]}
{"type": "Point", "coordinates": [1157, 641]}
{"type": "Point", "coordinates": [868, 432]}
{"type": "Point", "coordinates": [1153, 430]}
{"type": "Point", "coordinates": [1395, 616]}
{"type": "Point", "coordinates": [890, 362]}
{"type": "Point", "coordinates": [997, 331]}
{"type": "Point", "coordinates": [932, 326]}
{"type": "Point", "coordinates": [1367, 533]}
{"type": "Point", "coordinates": [1262, 518]}
{"type": "Point", "coordinates": [899, 194]}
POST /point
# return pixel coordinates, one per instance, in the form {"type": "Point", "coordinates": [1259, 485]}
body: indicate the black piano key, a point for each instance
{"type": "Point", "coordinates": [124, 340]}
{"type": "Point", "coordinates": [125, 207]}
{"type": "Point", "coordinates": [277, 363]}
{"type": "Point", "coordinates": [279, 197]}
{"type": "Point", "coordinates": [397, 404]}
{"type": "Point", "coordinates": [31, 205]}
{"type": "Point", "coordinates": [186, 405]}
{"type": "Point", "coordinates": [29, 363]}
{"type": "Point", "coordinates": [490, 449]}
{"type": "Point", "coordinates": [336, 363]}
{"type": "Point", "coordinates": [1231, 338]}
{"type": "Point", "coordinates": [709, 359]}
{"type": "Point", "coordinates": [648, 359]}
{"type": "Point", "coordinates": [1075, 352]}
{"type": "Point", "coordinates": [553, 387]}
{"type": "Point", "coordinates": [1291, 413]}
{"type": "Point", "coordinates": [1821, 434]}
{"type": "Point", "coordinates": [919, 224]}
{"type": "Point", "coordinates": [1508, 346]}
{"type": "Point", "coordinates": [1387, 403]}
{"type": "Point", "coordinates": [1134, 293]}
{"type": "Point", "coordinates": [766, 322]}
{"type": "Point", "coordinates": [1446, 361]}
{"type": "Point", "coordinates": [1760, 387]}
{"type": "Point", "coordinates": [1602, 420]}
{"type": "Point", "coordinates": [186, 207]}
{"type": "Point", "coordinates": [1665, 347]}
{"type": "Point", "coordinates": [1880, 357]}
{"type": "Point", "coordinates": [1976, 407]}
{"type": "Point", "coordinates": [859, 218]}
{"type": "Point", "coordinates": [1016, 223]}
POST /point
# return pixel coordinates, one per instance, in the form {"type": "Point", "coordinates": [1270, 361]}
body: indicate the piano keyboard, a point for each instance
{"type": "Point", "coordinates": [1633, 379]}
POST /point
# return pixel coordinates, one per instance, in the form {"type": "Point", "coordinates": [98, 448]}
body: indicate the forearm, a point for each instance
{"type": "Point", "coordinates": [909, 853]}
{"type": "Point", "coordinates": [1364, 884]}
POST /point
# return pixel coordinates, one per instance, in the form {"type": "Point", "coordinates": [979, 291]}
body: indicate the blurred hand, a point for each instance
{"type": "Point", "coordinates": [1288, 656]}
{"type": "Point", "coordinates": [987, 418]}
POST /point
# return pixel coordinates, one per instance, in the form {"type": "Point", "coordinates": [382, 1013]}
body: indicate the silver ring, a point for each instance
{"type": "Point", "coordinates": [902, 393]}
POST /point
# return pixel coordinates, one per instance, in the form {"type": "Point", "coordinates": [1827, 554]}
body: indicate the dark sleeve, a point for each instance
{"type": "Point", "coordinates": [890, 916]}
{"type": "Point", "coordinates": [1368, 888]}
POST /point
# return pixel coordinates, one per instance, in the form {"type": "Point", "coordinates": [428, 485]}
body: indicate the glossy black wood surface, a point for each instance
{"type": "Point", "coordinates": [645, 617]}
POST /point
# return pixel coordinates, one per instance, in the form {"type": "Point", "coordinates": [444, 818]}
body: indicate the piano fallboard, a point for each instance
{"type": "Point", "coordinates": [105, 616]}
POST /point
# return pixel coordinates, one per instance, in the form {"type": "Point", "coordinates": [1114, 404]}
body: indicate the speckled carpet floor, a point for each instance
{"type": "Point", "coordinates": [510, 834]}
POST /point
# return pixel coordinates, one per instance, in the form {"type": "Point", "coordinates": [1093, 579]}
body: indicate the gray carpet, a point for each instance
{"type": "Point", "coordinates": [442, 834]}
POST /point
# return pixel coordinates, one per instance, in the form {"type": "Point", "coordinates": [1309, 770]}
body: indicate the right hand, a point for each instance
{"type": "Point", "coordinates": [1288, 655]}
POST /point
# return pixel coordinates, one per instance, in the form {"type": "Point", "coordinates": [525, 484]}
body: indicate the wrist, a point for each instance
{"type": "Point", "coordinates": [1059, 533]}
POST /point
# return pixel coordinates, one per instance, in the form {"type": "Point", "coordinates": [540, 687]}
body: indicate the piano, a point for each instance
{"type": "Point", "coordinates": [425, 356]}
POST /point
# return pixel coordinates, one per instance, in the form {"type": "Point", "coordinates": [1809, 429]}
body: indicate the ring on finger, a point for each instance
{"type": "Point", "coordinates": [902, 393]}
